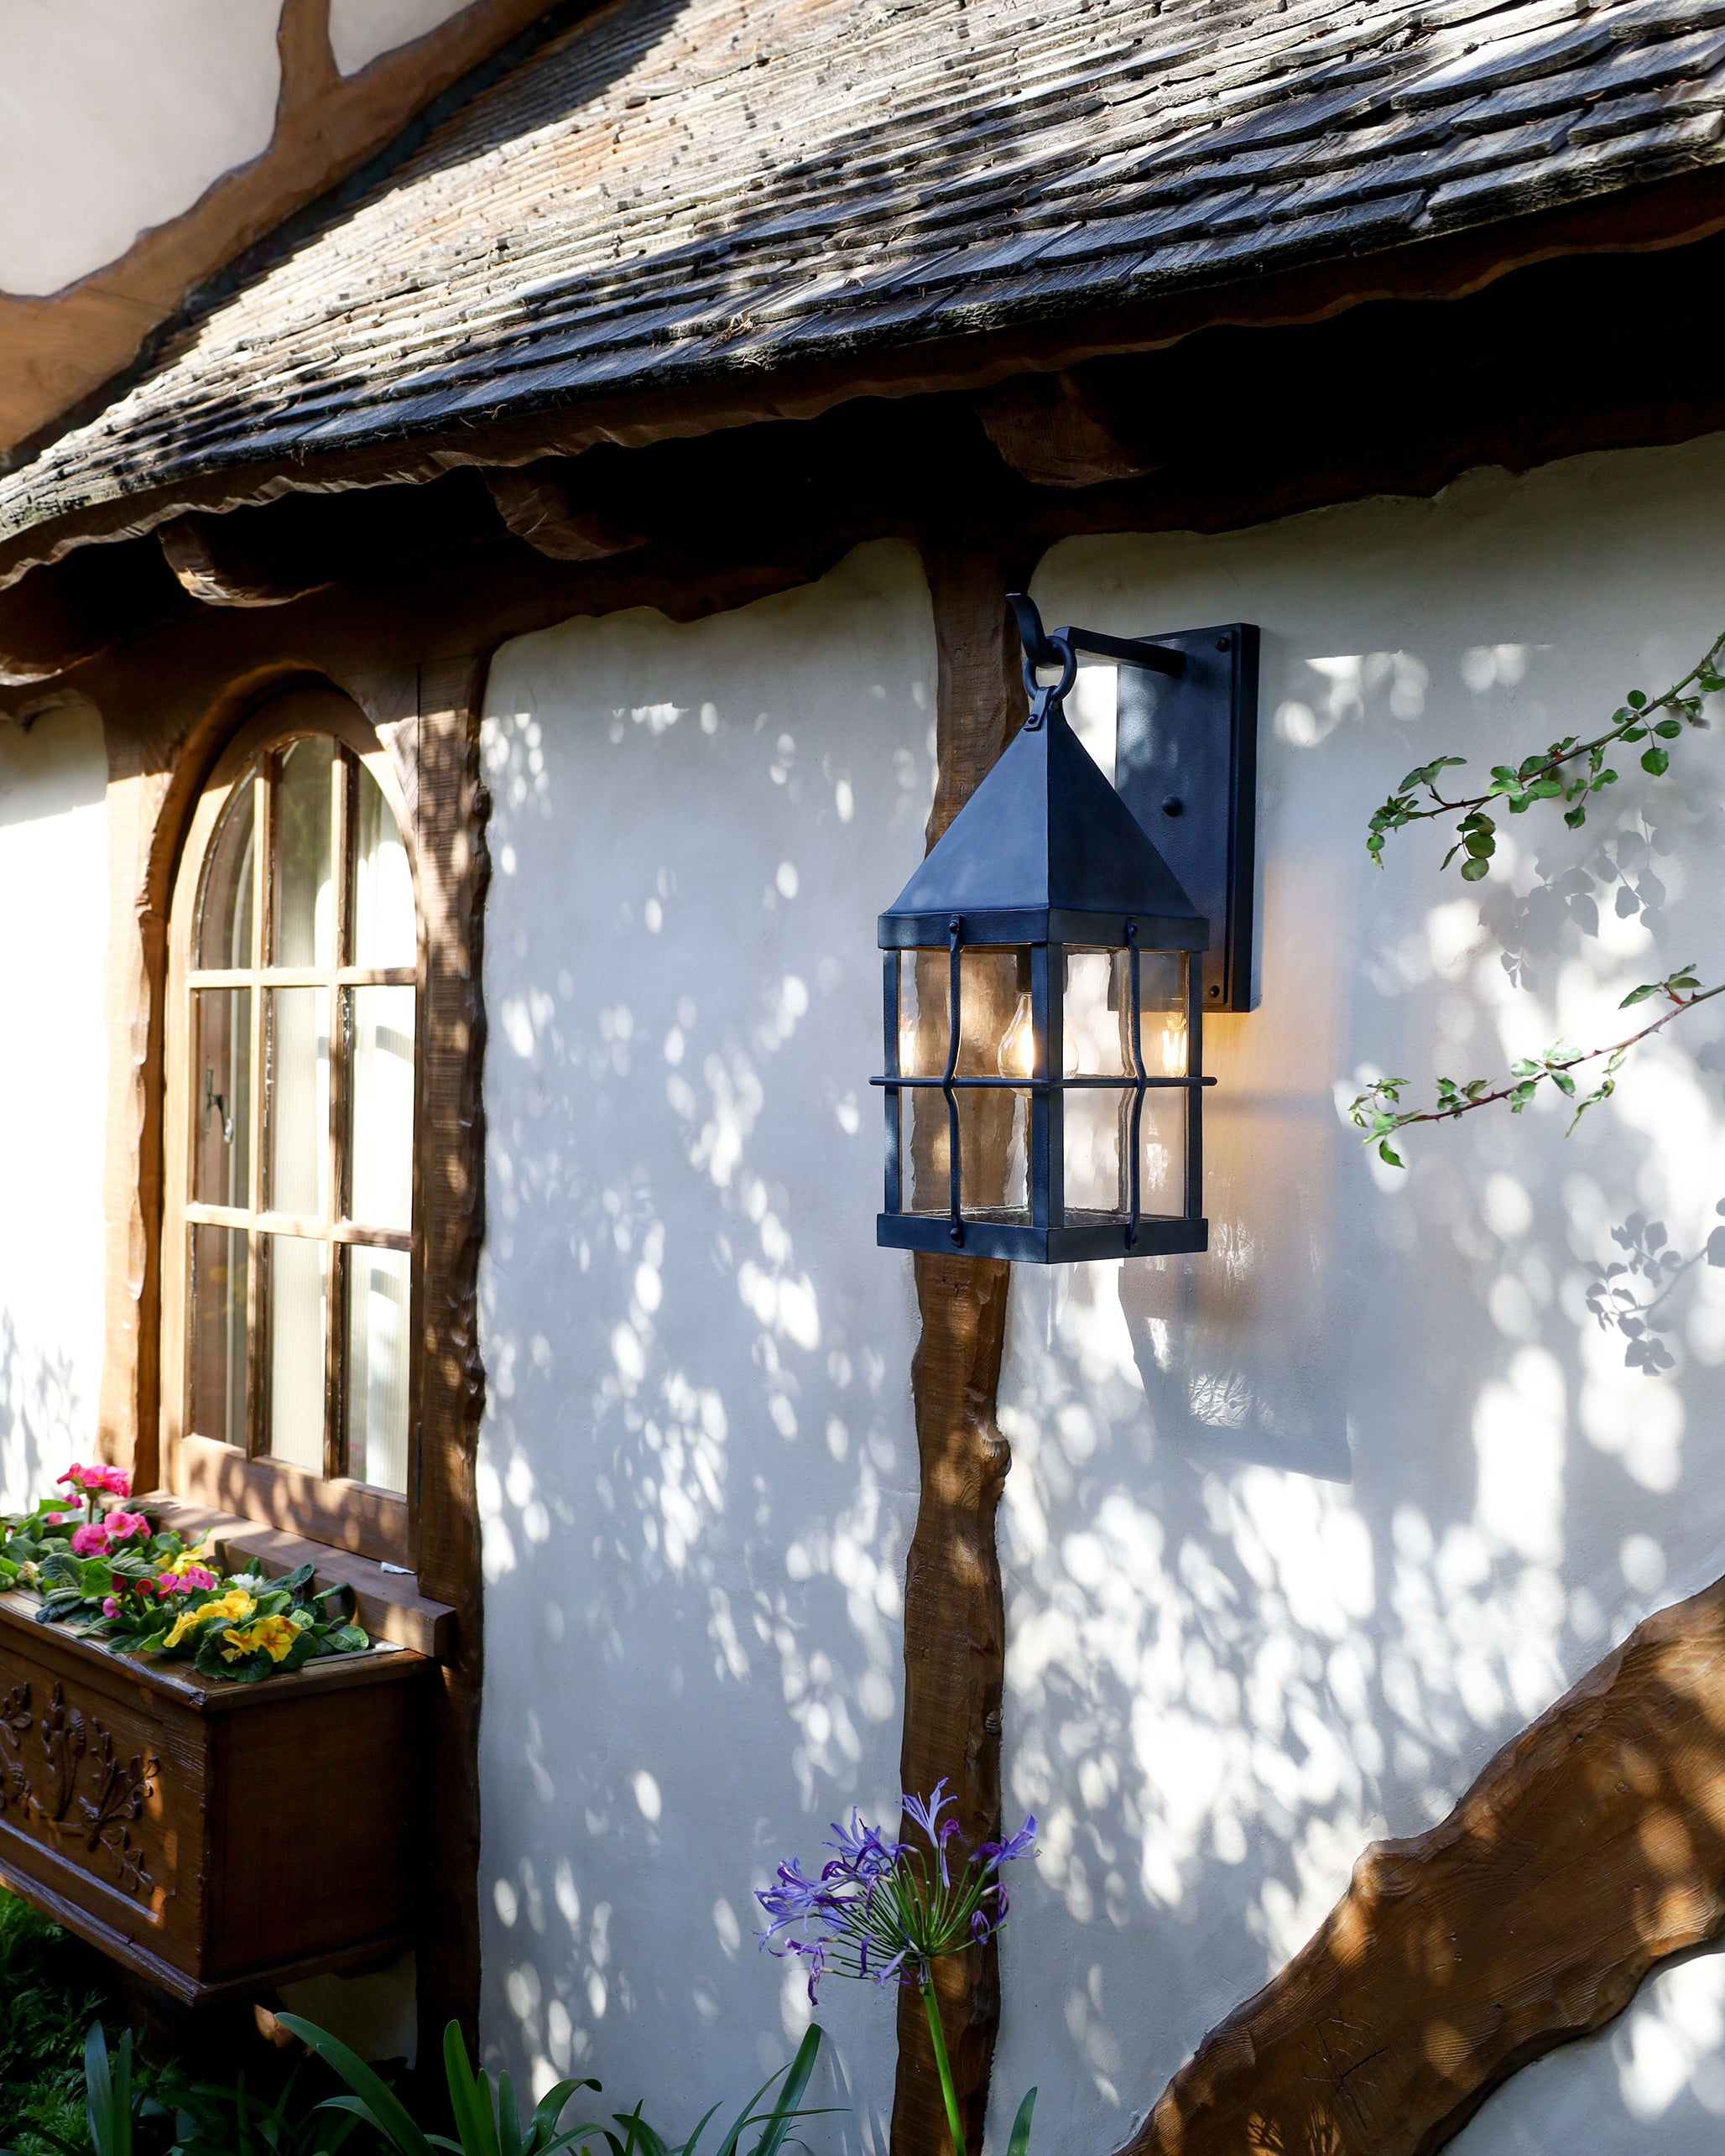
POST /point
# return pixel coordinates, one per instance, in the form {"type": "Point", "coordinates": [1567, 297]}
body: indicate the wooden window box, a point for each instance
{"type": "Point", "coordinates": [217, 1839]}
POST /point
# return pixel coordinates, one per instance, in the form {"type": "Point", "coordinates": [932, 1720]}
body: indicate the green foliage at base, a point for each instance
{"type": "Point", "coordinates": [52, 1990]}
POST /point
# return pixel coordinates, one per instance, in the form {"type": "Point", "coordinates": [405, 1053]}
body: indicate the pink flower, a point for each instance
{"type": "Point", "coordinates": [126, 1527]}
{"type": "Point", "coordinates": [114, 1480]}
{"type": "Point", "coordinates": [90, 1541]}
{"type": "Point", "coordinates": [110, 1607]}
{"type": "Point", "coordinates": [194, 1579]}
{"type": "Point", "coordinates": [59, 1519]}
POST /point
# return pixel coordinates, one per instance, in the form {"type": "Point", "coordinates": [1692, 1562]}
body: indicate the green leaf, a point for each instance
{"type": "Point", "coordinates": [1655, 763]}
{"type": "Point", "coordinates": [372, 2100]}
{"type": "Point", "coordinates": [474, 2121]}
{"type": "Point", "coordinates": [1639, 995]}
{"type": "Point", "coordinates": [1394, 1160]}
{"type": "Point", "coordinates": [1481, 844]}
{"type": "Point", "coordinates": [1473, 868]}
{"type": "Point", "coordinates": [1636, 701]}
{"type": "Point", "coordinates": [1669, 729]}
{"type": "Point", "coordinates": [1019, 2143]}
{"type": "Point", "coordinates": [784, 2111]}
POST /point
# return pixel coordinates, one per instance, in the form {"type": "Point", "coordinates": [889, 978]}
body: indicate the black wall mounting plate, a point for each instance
{"type": "Point", "coordinates": [1186, 764]}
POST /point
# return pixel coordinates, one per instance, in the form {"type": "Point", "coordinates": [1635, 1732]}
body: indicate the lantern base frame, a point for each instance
{"type": "Point", "coordinates": [1084, 1238]}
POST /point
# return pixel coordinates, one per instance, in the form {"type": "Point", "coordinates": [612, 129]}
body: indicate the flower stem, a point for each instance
{"type": "Point", "coordinates": [932, 2007]}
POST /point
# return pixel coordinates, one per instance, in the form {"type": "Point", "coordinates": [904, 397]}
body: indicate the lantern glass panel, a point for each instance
{"type": "Point", "coordinates": [1097, 1136]}
{"type": "Point", "coordinates": [989, 1001]}
{"type": "Point", "coordinates": [1097, 1146]}
{"type": "Point", "coordinates": [992, 1126]}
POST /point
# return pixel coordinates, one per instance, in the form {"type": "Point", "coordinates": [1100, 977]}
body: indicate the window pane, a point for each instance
{"type": "Point", "coordinates": [384, 920]}
{"type": "Point", "coordinates": [304, 895]}
{"type": "Point", "coordinates": [381, 1154]}
{"type": "Point", "coordinates": [298, 1106]}
{"type": "Point", "coordinates": [378, 1366]}
{"type": "Point", "coordinates": [224, 936]}
{"type": "Point", "coordinates": [298, 1292]}
{"type": "Point", "coordinates": [222, 1095]}
{"type": "Point", "coordinates": [217, 1377]}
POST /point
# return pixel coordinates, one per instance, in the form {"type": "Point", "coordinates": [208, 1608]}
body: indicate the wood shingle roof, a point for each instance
{"type": "Point", "coordinates": [672, 190]}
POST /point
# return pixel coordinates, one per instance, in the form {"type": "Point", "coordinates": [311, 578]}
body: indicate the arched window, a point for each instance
{"type": "Point", "coordinates": [289, 1276]}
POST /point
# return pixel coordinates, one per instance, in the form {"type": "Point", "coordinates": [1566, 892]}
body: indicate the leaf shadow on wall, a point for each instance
{"type": "Point", "coordinates": [1299, 1532]}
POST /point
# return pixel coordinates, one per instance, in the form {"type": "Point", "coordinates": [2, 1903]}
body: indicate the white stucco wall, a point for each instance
{"type": "Point", "coordinates": [53, 899]}
{"type": "Point", "coordinates": [1299, 1532]}
{"type": "Point", "coordinates": [362, 31]}
{"type": "Point", "coordinates": [698, 1466]}
{"type": "Point", "coordinates": [116, 119]}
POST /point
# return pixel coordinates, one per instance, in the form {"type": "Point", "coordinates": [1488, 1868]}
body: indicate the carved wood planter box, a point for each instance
{"type": "Point", "coordinates": [216, 1838]}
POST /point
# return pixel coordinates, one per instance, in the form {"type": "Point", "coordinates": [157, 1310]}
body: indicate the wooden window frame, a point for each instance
{"type": "Point", "coordinates": [333, 1507]}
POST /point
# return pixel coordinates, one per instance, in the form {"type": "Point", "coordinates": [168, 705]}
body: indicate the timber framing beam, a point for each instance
{"type": "Point", "coordinates": [1592, 1846]}
{"type": "Point", "coordinates": [955, 1617]}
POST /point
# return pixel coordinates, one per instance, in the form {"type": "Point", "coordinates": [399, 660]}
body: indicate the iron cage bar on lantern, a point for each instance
{"type": "Point", "coordinates": [1047, 866]}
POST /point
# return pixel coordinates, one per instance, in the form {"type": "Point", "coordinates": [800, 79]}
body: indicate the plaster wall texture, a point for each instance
{"type": "Point", "coordinates": [362, 31]}
{"type": "Point", "coordinates": [116, 119]}
{"type": "Point", "coordinates": [113, 119]}
{"type": "Point", "coordinates": [53, 1094]}
{"type": "Point", "coordinates": [697, 1473]}
{"type": "Point", "coordinates": [1299, 1532]}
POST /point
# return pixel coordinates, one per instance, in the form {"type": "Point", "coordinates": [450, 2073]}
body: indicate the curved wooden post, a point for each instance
{"type": "Point", "coordinates": [955, 1619]}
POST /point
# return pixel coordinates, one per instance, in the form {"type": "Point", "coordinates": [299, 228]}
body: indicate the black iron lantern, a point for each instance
{"type": "Point", "coordinates": [1045, 980]}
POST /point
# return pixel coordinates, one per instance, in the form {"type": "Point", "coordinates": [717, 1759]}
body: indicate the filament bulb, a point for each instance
{"type": "Point", "coordinates": [1174, 1045]}
{"type": "Point", "coordinates": [1018, 1044]}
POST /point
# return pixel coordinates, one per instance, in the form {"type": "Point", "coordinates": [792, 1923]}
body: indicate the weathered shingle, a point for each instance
{"type": "Point", "coordinates": [676, 188]}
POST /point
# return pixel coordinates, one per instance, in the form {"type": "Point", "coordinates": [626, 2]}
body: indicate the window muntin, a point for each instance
{"type": "Point", "coordinates": [301, 1026]}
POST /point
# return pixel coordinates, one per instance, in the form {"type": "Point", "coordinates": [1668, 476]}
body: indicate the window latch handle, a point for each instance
{"type": "Point", "coordinates": [218, 1102]}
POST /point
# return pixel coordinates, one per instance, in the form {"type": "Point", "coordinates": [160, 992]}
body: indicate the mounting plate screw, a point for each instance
{"type": "Point", "coordinates": [1224, 643]}
{"type": "Point", "coordinates": [1173, 806]}
{"type": "Point", "coordinates": [1215, 991]}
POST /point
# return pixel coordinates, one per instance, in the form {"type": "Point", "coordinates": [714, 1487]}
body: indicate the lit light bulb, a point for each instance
{"type": "Point", "coordinates": [1018, 1046]}
{"type": "Point", "coordinates": [1174, 1045]}
{"type": "Point", "coordinates": [907, 1049]}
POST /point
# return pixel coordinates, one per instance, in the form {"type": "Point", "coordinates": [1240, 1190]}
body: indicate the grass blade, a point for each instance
{"type": "Point", "coordinates": [1020, 2144]}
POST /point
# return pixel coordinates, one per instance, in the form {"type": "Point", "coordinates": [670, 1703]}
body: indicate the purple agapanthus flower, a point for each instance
{"type": "Point", "coordinates": [881, 1908]}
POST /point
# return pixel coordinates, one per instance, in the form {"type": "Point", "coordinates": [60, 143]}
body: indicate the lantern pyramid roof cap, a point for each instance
{"type": "Point", "coordinates": [1045, 851]}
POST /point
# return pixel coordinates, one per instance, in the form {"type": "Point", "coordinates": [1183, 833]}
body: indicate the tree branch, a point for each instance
{"type": "Point", "coordinates": [1378, 1110]}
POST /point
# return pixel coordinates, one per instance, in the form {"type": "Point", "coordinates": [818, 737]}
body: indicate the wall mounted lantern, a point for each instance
{"type": "Point", "coordinates": [1048, 966]}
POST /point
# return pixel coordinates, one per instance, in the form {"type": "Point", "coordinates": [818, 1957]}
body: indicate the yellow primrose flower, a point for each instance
{"type": "Point", "coordinates": [194, 1560]}
{"type": "Point", "coordinates": [275, 1635]}
{"type": "Point", "coordinates": [233, 1607]}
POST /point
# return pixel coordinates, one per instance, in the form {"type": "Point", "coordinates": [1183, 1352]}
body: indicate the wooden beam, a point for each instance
{"type": "Point", "coordinates": [955, 1617]}
{"type": "Point", "coordinates": [1054, 431]}
{"type": "Point", "coordinates": [451, 808]}
{"type": "Point", "coordinates": [1591, 1846]}
{"type": "Point", "coordinates": [209, 566]}
{"type": "Point", "coordinates": [537, 507]}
